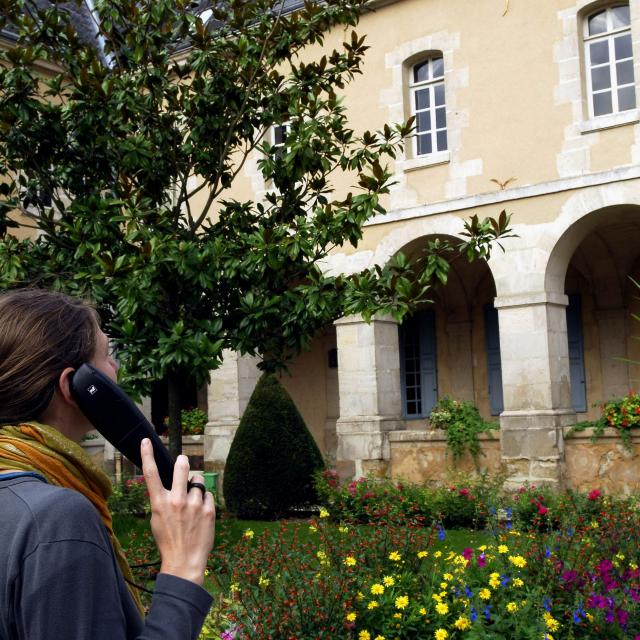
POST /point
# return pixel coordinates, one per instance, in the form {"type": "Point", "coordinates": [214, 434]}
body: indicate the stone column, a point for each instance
{"type": "Point", "coordinates": [369, 386]}
{"type": "Point", "coordinates": [229, 391]}
{"type": "Point", "coordinates": [536, 386]}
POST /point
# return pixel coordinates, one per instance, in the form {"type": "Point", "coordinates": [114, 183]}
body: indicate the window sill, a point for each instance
{"type": "Point", "coordinates": [610, 121]}
{"type": "Point", "coordinates": [430, 160]}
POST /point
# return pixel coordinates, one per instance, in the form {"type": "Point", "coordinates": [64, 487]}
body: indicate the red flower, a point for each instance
{"type": "Point", "coordinates": [542, 510]}
{"type": "Point", "coordinates": [594, 495]}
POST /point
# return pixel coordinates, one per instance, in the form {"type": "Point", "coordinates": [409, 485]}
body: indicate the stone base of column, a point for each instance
{"type": "Point", "coordinates": [218, 437]}
{"type": "Point", "coordinates": [363, 445]}
{"type": "Point", "coordinates": [533, 447]}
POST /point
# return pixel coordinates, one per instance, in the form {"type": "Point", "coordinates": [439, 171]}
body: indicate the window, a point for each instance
{"type": "Point", "coordinates": [609, 61]}
{"type": "Point", "coordinates": [426, 88]}
{"type": "Point", "coordinates": [279, 134]}
{"type": "Point", "coordinates": [418, 364]}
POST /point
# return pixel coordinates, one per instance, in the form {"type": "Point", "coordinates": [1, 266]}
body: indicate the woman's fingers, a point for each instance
{"type": "Point", "coordinates": [180, 476]}
{"type": "Point", "coordinates": [150, 469]}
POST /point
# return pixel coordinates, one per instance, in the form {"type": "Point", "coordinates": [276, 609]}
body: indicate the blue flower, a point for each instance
{"type": "Point", "coordinates": [468, 592]}
{"type": "Point", "coordinates": [547, 551]}
{"type": "Point", "coordinates": [474, 614]}
{"type": "Point", "coordinates": [487, 612]}
{"type": "Point", "coordinates": [441, 533]}
{"type": "Point", "coordinates": [546, 603]}
{"type": "Point", "coordinates": [504, 580]}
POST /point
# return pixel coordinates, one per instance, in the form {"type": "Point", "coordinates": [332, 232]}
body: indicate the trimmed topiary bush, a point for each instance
{"type": "Point", "coordinates": [273, 457]}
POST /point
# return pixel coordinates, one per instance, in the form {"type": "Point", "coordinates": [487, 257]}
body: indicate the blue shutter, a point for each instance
{"type": "Point", "coordinates": [494, 364]}
{"type": "Point", "coordinates": [576, 354]}
{"type": "Point", "coordinates": [418, 364]}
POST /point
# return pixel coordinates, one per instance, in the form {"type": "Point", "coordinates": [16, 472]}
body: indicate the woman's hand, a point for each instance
{"type": "Point", "coordinates": [182, 523]}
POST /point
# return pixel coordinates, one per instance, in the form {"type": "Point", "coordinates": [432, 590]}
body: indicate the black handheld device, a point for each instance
{"type": "Point", "coordinates": [110, 410]}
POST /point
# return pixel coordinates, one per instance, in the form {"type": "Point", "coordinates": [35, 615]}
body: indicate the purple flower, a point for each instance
{"type": "Point", "coordinates": [482, 560]}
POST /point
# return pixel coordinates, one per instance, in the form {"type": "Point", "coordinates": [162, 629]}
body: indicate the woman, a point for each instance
{"type": "Point", "coordinates": [63, 575]}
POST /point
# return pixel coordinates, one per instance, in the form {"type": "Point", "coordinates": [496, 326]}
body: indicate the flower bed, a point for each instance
{"type": "Point", "coordinates": [543, 567]}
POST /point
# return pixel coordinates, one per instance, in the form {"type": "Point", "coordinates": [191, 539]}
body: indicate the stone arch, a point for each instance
{"type": "Point", "coordinates": [460, 338]}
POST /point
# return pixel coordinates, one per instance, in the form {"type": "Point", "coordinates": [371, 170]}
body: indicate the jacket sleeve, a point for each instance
{"type": "Point", "coordinates": [71, 587]}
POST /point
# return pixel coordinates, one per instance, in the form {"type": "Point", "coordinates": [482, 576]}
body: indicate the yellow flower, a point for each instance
{"type": "Point", "coordinates": [248, 534]}
{"type": "Point", "coordinates": [551, 622]}
{"type": "Point", "coordinates": [379, 638]}
{"type": "Point", "coordinates": [444, 585]}
{"type": "Point", "coordinates": [518, 561]}
{"type": "Point", "coordinates": [436, 597]}
{"type": "Point", "coordinates": [234, 587]}
{"type": "Point", "coordinates": [321, 555]}
{"type": "Point", "coordinates": [373, 605]}
{"type": "Point", "coordinates": [422, 554]}
{"type": "Point", "coordinates": [482, 547]}
{"type": "Point", "coordinates": [442, 608]}
{"type": "Point", "coordinates": [388, 581]}
{"type": "Point", "coordinates": [350, 561]}
{"type": "Point", "coordinates": [263, 582]}
{"type": "Point", "coordinates": [484, 594]}
{"type": "Point", "coordinates": [364, 635]}
{"type": "Point", "coordinates": [517, 582]}
{"type": "Point", "coordinates": [397, 615]}
{"type": "Point", "coordinates": [594, 524]}
{"type": "Point", "coordinates": [447, 576]}
{"type": "Point", "coordinates": [343, 529]}
{"type": "Point", "coordinates": [395, 556]}
{"type": "Point", "coordinates": [462, 623]}
{"type": "Point", "coordinates": [351, 617]}
{"type": "Point", "coordinates": [423, 611]}
{"type": "Point", "coordinates": [494, 582]}
{"type": "Point", "coordinates": [377, 589]}
{"type": "Point", "coordinates": [512, 607]}
{"type": "Point", "coordinates": [438, 554]}
{"type": "Point", "coordinates": [440, 634]}
{"type": "Point", "coordinates": [503, 548]}
{"type": "Point", "coordinates": [402, 602]}
{"type": "Point", "coordinates": [324, 513]}
{"type": "Point", "coordinates": [360, 595]}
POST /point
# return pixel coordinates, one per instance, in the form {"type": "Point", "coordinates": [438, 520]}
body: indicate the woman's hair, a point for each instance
{"type": "Point", "coordinates": [41, 333]}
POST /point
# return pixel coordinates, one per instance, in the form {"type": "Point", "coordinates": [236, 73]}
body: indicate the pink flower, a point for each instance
{"type": "Point", "coordinates": [542, 510]}
{"type": "Point", "coordinates": [594, 495]}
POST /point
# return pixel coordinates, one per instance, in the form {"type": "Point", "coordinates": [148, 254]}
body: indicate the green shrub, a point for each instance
{"type": "Point", "coordinates": [193, 421]}
{"type": "Point", "coordinates": [462, 423]}
{"type": "Point", "coordinates": [130, 498]}
{"type": "Point", "coordinates": [273, 457]}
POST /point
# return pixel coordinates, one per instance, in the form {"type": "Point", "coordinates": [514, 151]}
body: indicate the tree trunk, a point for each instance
{"type": "Point", "coordinates": [175, 427]}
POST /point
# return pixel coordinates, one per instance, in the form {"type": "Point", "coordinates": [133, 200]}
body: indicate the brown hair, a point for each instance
{"type": "Point", "coordinates": [41, 333]}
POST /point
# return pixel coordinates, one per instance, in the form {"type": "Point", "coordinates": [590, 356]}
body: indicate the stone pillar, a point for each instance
{"type": "Point", "coordinates": [612, 329]}
{"type": "Point", "coordinates": [229, 391]}
{"type": "Point", "coordinates": [536, 386]}
{"type": "Point", "coordinates": [369, 386]}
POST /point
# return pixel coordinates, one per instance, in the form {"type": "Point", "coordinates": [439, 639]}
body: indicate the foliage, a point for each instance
{"type": "Point", "coordinates": [579, 580]}
{"type": "Point", "coordinates": [273, 457]}
{"type": "Point", "coordinates": [130, 497]}
{"type": "Point", "coordinates": [192, 421]}
{"type": "Point", "coordinates": [120, 154]}
{"type": "Point", "coordinates": [462, 422]}
{"type": "Point", "coordinates": [466, 503]}
{"type": "Point", "coordinates": [621, 414]}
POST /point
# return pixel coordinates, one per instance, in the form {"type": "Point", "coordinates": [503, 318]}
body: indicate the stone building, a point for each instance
{"type": "Point", "coordinates": [526, 106]}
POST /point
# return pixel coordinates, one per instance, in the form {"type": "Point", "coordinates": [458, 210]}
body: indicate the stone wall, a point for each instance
{"type": "Point", "coordinates": [604, 464]}
{"type": "Point", "coordinates": [422, 457]}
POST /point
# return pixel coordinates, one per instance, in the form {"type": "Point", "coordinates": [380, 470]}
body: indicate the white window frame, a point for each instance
{"type": "Point", "coordinates": [609, 36]}
{"type": "Point", "coordinates": [429, 85]}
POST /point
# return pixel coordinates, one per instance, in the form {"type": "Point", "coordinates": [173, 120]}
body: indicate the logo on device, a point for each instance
{"type": "Point", "coordinates": [92, 389]}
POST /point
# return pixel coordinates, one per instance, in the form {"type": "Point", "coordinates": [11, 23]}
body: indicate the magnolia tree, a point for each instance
{"type": "Point", "coordinates": [108, 141]}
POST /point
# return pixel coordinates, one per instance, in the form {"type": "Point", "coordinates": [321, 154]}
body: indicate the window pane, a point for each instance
{"type": "Point", "coordinates": [441, 118]}
{"type": "Point", "coordinates": [442, 140]}
{"type": "Point", "coordinates": [620, 17]}
{"type": "Point", "coordinates": [424, 144]}
{"type": "Point", "coordinates": [411, 393]}
{"type": "Point", "coordinates": [626, 98]}
{"type": "Point", "coordinates": [422, 99]}
{"type": "Point", "coordinates": [279, 135]}
{"type": "Point", "coordinates": [602, 103]}
{"type": "Point", "coordinates": [600, 78]}
{"type": "Point", "coordinates": [624, 72]}
{"type": "Point", "coordinates": [423, 121]}
{"type": "Point", "coordinates": [598, 23]}
{"type": "Point", "coordinates": [599, 52]}
{"type": "Point", "coordinates": [623, 46]}
{"type": "Point", "coordinates": [412, 409]}
{"type": "Point", "coordinates": [421, 72]}
{"type": "Point", "coordinates": [438, 96]}
{"type": "Point", "coordinates": [437, 67]}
